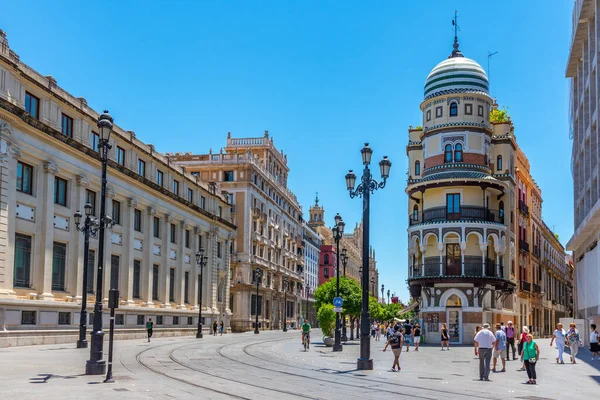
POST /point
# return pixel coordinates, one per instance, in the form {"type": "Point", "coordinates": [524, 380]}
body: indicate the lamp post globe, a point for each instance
{"type": "Point", "coordinates": [367, 186]}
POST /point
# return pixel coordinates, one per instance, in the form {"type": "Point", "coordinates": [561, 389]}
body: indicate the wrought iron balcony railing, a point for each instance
{"type": "Point", "coordinates": [465, 213]}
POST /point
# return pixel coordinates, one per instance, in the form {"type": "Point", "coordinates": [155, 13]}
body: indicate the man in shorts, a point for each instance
{"type": "Point", "coordinates": [408, 334]}
{"type": "Point", "coordinates": [306, 328]}
{"type": "Point", "coordinates": [500, 348]}
{"type": "Point", "coordinates": [395, 341]}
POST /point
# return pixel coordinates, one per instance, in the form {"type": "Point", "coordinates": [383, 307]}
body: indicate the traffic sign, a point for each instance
{"type": "Point", "coordinates": [338, 301]}
{"type": "Point", "coordinates": [338, 309]}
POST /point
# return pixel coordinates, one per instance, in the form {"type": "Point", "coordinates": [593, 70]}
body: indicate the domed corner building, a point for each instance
{"type": "Point", "coordinates": [461, 233]}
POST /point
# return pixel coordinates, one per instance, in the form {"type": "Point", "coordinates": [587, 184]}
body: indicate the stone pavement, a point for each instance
{"type": "Point", "coordinates": [273, 365]}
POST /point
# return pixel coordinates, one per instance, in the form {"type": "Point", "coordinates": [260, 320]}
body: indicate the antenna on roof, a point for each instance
{"type": "Point", "coordinates": [455, 52]}
{"type": "Point", "coordinates": [490, 54]}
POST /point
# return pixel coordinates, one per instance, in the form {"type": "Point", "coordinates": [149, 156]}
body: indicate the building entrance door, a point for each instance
{"type": "Point", "coordinates": [454, 325]}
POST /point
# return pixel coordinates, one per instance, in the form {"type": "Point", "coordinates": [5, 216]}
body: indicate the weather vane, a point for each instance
{"type": "Point", "coordinates": [317, 198]}
{"type": "Point", "coordinates": [455, 24]}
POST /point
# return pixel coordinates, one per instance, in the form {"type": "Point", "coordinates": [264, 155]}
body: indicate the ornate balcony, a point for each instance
{"type": "Point", "coordinates": [466, 213]}
{"type": "Point", "coordinates": [524, 246]}
{"type": "Point", "coordinates": [525, 286]}
{"type": "Point", "coordinates": [537, 288]}
{"type": "Point", "coordinates": [523, 207]}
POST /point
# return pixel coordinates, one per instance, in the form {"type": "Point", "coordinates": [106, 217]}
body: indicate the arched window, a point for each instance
{"type": "Point", "coordinates": [326, 259]}
{"type": "Point", "coordinates": [458, 153]}
{"type": "Point", "coordinates": [453, 301]}
{"type": "Point", "coordinates": [499, 163]}
{"type": "Point", "coordinates": [501, 211]}
{"type": "Point", "coordinates": [417, 168]}
{"type": "Point", "coordinates": [415, 213]}
{"type": "Point", "coordinates": [453, 110]}
{"type": "Point", "coordinates": [448, 153]}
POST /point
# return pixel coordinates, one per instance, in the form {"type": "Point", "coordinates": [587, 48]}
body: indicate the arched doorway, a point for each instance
{"type": "Point", "coordinates": [454, 318]}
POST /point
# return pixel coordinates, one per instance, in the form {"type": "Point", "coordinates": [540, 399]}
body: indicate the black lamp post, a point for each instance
{"type": "Point", "coordinates": [382, 297]}
{"type": "Point", "coordinates": [345, 262]}
{"type": "Point", "coordinates": [285, 288]}
{"type": "Point", "coordinates": [201, 260]}
{"type": "Point", "coordinates": [96, 365]}
{"type": "Point", "coordinates": [388, 294]}
{"type": "Point", "coordinates": [258, 276]}
{"type": "Point", "coordinates": [367, 186]}
{"type": "Point", "coordinates": [307, 292]}
{"type": "Point", "coordinates": [338, 233]}
{"type": "Point", "coordinates": [374, 293]}
{"type": "Point", "coordinates": [89, 229]}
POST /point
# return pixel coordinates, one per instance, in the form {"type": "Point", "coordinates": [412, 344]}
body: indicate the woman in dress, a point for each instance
{"type": "Point", "coordinates": [594, 345]}
{"type": "Point", "coordinates": [573, 340]}
{"type": "Point", "coordinates": [522, 341]}
{"type": "Point", "coordinates": [529, 357]}
{"type": "Point", "coordinates": [417, 337]}
{"type": "Point", "coordinates": [560, 336]}
{"type": "Point", "coordinates": [445, 338]}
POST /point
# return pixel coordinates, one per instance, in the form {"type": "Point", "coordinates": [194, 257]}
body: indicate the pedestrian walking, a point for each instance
{"type": "Point", "coordinates": [408, 334]}
{"type": "Point", "coordinates": [529, 356]}
{"type": "Point", "coordinates": [485, 341]}
{"type": "Point", "coordinates": [500, 349]}
{"type": "Point", "coordinates": [573, 341]}
{"type": "Point", "coordinates": [594, 345]}
{"type": "Point", "coordinates": [149, 326]}
{"type": "Point", "coordinates": [395, 341]}
{"type": "Point", "coordinates": [214, 326]}
{"type": "Point", "coordinates": [445, 338]}
{"type": "Point", "coordinates": [373, 330]}
{"type": "Point", "coordinates": [221, 328]}
{"type": "Point", "coordinates": [417, 336]}
{"type": "Point", "coordinates": [502, 327]}
{"type": "Point", "coordinates": [559, 336]}
{"type": "Point", "coordinates": [511, 333]}
{"type": "Point", "coordinates": [378, 331]}
{"type": "Point", "coordinates": [522, 342]}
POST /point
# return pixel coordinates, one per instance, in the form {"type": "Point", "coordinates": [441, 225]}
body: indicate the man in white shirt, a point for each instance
{"type": "Point", "coordinates": [484, 343]}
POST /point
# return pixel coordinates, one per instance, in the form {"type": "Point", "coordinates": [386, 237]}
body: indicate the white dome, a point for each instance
{"type": "Point", "coordinates": [456, 74]}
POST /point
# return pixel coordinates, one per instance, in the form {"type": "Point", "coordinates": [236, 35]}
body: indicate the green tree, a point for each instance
{"type": "Point", "coordinates": [497, 115]}
{"type": "Point", "coordinates": [326, 318]}
{"type": "Point", "coordinates": [350, 292]}
{"type": "Point", "coordinates": [376, 309]}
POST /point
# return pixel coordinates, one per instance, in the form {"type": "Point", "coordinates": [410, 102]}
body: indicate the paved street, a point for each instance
{"type": "Point", "coordinates": [272, 365]}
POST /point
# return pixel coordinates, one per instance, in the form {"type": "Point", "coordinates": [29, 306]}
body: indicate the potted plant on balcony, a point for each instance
{"type": "Point", "coordinates": [326, 318]}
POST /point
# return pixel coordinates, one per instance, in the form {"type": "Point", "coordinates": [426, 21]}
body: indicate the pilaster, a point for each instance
{"type": "Point", "coordinates": [147, 265]}
{"type": "Point", "coordinates": [110, 195]}
{"type": "Point", "coordinates": [9, 154]}
{"type": "Point", "coordinates": [179, 273]}
{"type": "Point", "coordinates": [126, 271]}
{"type": "Point", "coordinates": [44, 245]}
{"type": "Point", "coordinates": [77, 240]}
{"type": "Point", "coordinates": [164, 265]}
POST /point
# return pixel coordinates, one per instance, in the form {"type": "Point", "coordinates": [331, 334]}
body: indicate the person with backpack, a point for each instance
{"type": "Point", "coordinates": [408, 334]}
{"type": "Point", "coordinates": [395, 341]}
{"type": "Point", "coordinates": [149, 326]}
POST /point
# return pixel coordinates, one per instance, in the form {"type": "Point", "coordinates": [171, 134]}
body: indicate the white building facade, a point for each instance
{"type": "Point", "coordinates": [50, 169]}
{"type": "Point", "coordinates": [312, 246]}
{"type": "Point", "coordinates": [582, 69]}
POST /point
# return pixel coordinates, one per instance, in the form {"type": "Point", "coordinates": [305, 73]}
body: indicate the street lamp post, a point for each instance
{"type": "Point", "coordinates": [201, 260]}
{"type": "Point", "coordinates": [373, 287]}
{"type": "Point", "coordinates": [257, 275]}
{"type": "Point", "coordinates": [345, 262]}
{"type": "Point", "coordinates": [307, 292]}
{"type": "Point", "coordinates": [96, 365]}
{"type": "Point", "coordinates": [89, 229]}
{"type": "Point", "coordinates": [382, 297]}
{"type": "Point", "coordinates": [338, 233]}
{"type": "Point", "coordinates": [285, 288]}
{"type": "Point", "coordinates": [388, 294]}
{"type": "Point", "coordinates": [367, 186]}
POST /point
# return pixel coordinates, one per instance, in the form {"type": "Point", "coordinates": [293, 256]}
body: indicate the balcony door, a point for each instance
{"type": "Point", "coordinates": [453, 259]}
{"type": "Point", "coordinates": [452, 206]}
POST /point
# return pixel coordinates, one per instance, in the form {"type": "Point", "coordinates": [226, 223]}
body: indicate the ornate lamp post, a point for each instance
{"type": "Point", "coordinates": [367, 186]}
{"type": "Point", "coordinates": [345, 262]}
{"type": "Point", "coordinates": [96, 365]}
{"type": "Point", "coordinates": [257, 276]}
{"type": "Point", "coordinates": [89, 229]}
{"type": "Point", "coordinates": [285, 288]}
{"type": "Point", "coordinates": [201, 260]}
{"type": "Point", "coordinates": [388, 294]}
{"type": "Point", "coordinates": [338, 233]}
{"type": "Point", "coordinates": [373, 292]}
{"type": "Point", "coordinates": [382, 297]}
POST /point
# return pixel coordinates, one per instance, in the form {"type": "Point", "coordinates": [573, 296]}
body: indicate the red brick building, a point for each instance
{"type": "Point", "coordinates": [327, 263]}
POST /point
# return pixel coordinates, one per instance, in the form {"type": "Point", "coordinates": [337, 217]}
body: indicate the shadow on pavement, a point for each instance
{"type": "Point", "coordinates": [44, 378]}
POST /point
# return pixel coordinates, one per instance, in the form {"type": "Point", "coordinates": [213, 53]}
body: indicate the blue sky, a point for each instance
{"type": "Point", "coordinates": [322, 76]}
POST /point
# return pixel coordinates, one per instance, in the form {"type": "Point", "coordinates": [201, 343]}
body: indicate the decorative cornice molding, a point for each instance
{"type": "Point", "coordinates": [82, 181]}
{"type": "Point", "coordinates": [50, 167]}
{"type": "Point", "coordinates": [131, 202]}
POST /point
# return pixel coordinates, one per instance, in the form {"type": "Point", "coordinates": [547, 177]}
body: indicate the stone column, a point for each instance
{"type": "Point", "coordinates": [441, 250]}
{"type": "Point", "coordinates": [45, 241]}
{"type": "Point", "coordinates": [463, 248]}
{"type": "Point", "coordinates": [164, 258]}
{"type": "Point", "coordinates": [228, 276]}
{"type": "Point", "coordinates": [179, 273]}
{"type": "Point", "coordinates": [9, 155]}
{"type": "Point", "coordinates": [483, 248]}
{"type": "Point", "coordinates": [211, 268]}
{"type": "Point", "coordinates": [423, 249]}
{"type": "Point", "coordinates": [147, 265]}
{"type": "Point", "coordinates": [194, 269]}
{"type": "Point", "coordinates": [76, 246]}
{"type": "Point", "coordinates": [110, 195]}
{"type": "Point", "coordinates": [126, 271]}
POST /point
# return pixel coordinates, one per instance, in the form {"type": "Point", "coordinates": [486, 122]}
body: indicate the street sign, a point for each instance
{"type": "Point", "coordinates": [338, 301]}
{"type": "Point", "coordinates": [338, 309]}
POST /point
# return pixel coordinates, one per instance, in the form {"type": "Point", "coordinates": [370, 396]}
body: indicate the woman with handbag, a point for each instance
{"type": "Point", "coordinates": [574, 341]}
{"type": "Point", "coordinates": [529, 356]}
{"type": "Point", "coordinates": [522, 341]}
